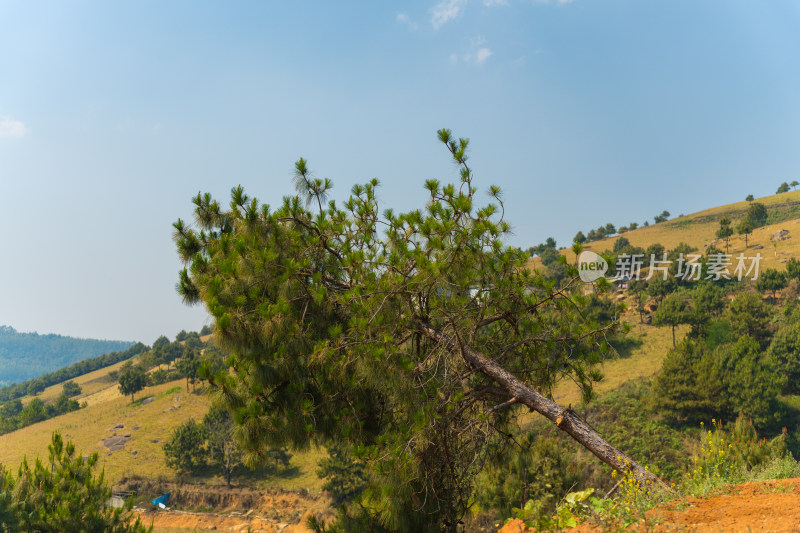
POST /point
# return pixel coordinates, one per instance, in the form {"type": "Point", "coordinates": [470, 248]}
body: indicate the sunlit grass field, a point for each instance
{"type": "Point", "coordinates": [155, 421]}
{"type": "Point", "coordinates": [699, 229]}
{"type": "Point", "coordinates": [90, 384]}
{"type": "Point", "coordinates": [643, 361]}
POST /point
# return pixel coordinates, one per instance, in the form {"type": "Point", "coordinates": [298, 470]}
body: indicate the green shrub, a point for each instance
{"type": "Point", "coordinates": [626, 419]}
{"type": "Point", "coordinates": [697, 383]}
{"type": "Point", "coordinates": [534, 468]}
{"type": "Point", "coordinates": [733, 455]}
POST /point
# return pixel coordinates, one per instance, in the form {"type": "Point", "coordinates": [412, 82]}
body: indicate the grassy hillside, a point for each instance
{"type": "Point", "coordinates": [698, 230]}
{"type": "Point", "coordinates": [26, 356]}
{"type": "Point", "coordinates": [150, 424]}
{"type": "Point", "coordinates": [642, 361]}
{"type": "Point", "coordinates": [146, 423]}
{"type": "Point", "coordinates": [90, 384]}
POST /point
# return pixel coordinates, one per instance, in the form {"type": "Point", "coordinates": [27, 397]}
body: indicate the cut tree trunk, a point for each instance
{"type": "Point", "coordinates": [564, 418]}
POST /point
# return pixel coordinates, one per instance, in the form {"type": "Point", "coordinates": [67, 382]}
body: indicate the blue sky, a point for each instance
{"type": "Point", "coordinates": [113, 115]}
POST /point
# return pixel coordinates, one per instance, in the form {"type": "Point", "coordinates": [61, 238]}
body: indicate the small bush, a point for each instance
{"type": "Point", "coordinates": [733, 455]}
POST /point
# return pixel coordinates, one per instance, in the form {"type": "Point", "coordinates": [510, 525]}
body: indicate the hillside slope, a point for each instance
{"type": "Point", "coordinates": [147, 424]}
{"type": "Point", "coordinates": [698, 230]}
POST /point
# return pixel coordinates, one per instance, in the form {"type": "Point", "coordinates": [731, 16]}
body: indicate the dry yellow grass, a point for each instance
{"type": "Point", "coordinates": [90, 383]}
{"type": "Point", "coordinates": [699, 229]}
{"type": "Point", "coordinates": [644, 361]}
{"type": "Point", "coordinates": [88, 427]}
{"type": "Point", "coordinates": [155, 421]}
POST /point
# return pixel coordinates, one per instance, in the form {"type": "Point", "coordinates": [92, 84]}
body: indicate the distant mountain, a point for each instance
{"type": "Point", "coordinates": [25, 356]}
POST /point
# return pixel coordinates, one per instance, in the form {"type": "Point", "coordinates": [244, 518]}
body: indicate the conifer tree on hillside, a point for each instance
{"type": "Point", "coordinates": [756, 214]}
{"type": "Point", "coordinates": [725, 231]}
{"type": "Point", "coordinates": [673, 312]}
{"type": "Point", "coordinates": [223, 449]}
{"type": "Point", "coordinates": [413, 336]}
{"type": "Point", "coordinates": [745, 228]}
{"type": "Point", "coordinates": [188, 364]}
{"type": "Point", "coordinates": [62, 493]}
{"type": "Point", "coordinates": [132, 379]}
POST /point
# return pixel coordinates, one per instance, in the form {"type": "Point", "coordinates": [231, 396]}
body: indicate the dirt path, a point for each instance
{"type": "Point", "coordinates": [769, 506]}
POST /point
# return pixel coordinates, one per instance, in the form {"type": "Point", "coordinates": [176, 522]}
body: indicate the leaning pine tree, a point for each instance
{"type": "Point", "coordinates": [414, 337]}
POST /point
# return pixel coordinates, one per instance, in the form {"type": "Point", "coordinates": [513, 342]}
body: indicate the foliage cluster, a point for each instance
{"type": "Point", "coordinates": [406, 335]}
{"type": "Point", "coordinates": [194, 448]}
{"type": "Point", "coordinates": [62, 493]}
{"type": "Point", "coordinates": [14, 416]}
{"type": "Point", "coordinates": [72, 371]}
{"type": "Point", "coordinates": [27, 355]}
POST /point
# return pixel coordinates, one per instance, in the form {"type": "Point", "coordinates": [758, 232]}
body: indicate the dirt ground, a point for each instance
{"type": "Point", "coordinates": [237, 509]}
{"type": "Point", "coordinates": [186, 521]}
{"type": "Point", "coordinates": [769, 506]}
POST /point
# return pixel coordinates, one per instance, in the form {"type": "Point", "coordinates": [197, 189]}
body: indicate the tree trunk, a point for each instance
{"type": "Point", "coordinates": [673, 335]}
{"type": "Point", "coordinates": [564, 418]}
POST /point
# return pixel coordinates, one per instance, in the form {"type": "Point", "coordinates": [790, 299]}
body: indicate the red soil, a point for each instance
{"type": "Point", "coordinates": [769, 506]}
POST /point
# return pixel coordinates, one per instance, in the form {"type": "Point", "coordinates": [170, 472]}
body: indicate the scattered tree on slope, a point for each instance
{"type": "Point", "coordinates": [132, 379]}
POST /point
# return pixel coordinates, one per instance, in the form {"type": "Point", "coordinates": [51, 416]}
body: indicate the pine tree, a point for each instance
{"type": "Point", "coordinates": [63, 494]}
{"type": "Point", "coordinates": [186, 451]}
{"type": "Point", "coordinates": [412, 336]}
{"type": "Point", "coordinates": [725, 231]}
{"type": "Point", "coordinates": [71, 389]}
{"type": "Point", "coordinates": [673, 312]}
{"type": "Point", "coordinates": [223, 448]}
{"type": "Point", "coordinates": [281, 456]}
{"type": "Point", "coordinates": [188, 364]}
{"type": "Point", "coordinates": [132, 379]}
{"type": "Point", "coordinates": [771, 280]}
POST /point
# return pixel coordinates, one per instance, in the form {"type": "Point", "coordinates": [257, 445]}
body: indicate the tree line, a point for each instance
{"type": "Point", "coordinates": [188, 353]}
{"type": "Point", "coordinates": [26, 355]}
{"type": "Point", "coordinates": [35, 386]}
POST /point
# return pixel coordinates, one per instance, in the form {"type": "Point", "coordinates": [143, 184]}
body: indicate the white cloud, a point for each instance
{"type": "Point", "coordinates": [478, 52]}
{"type": "Point", "coordinates": [12, 129]}
{"type": "Point", "coordinates": [482, 55]}
{"type": "Point", "coordinates": [492, 3]}
{"type": "Point", "coordinates": [403, 18]}
{"type": "Point", "coordinates": [445, 11]}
